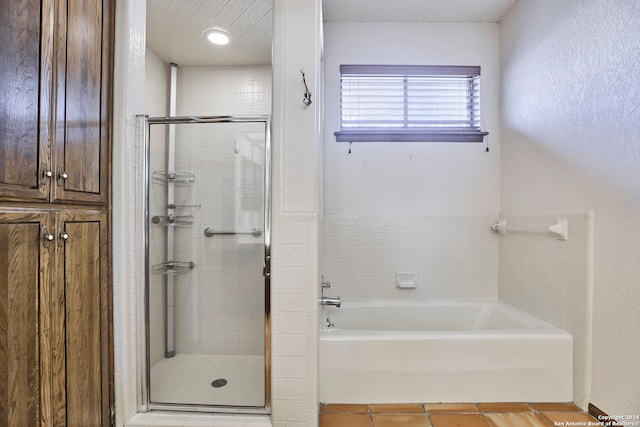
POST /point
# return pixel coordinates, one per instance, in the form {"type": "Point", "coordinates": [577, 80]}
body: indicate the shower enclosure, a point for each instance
{"type": "Point", "coordinates": [208, 260]}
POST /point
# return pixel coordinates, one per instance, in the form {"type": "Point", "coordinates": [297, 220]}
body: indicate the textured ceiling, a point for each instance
{"type": "Point", "coordinates": [415, 10]}
{"type": "Point", "coordinates": [174, 27]}
{"type": "Point", "coordinates": [174, 31]}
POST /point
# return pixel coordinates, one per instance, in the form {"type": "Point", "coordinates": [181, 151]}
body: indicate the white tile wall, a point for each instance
{"type": "Point", "coordinates": [553, 279]}
{"type": "Point", "coordinates": [127, 240]}
{"type": "Point", "coordinates": [296, 225]}
{"type": "Point", "coordinates": [224, 91]}
{"type": "Point", "coordinates": [220, 303]}
{"type": "Point", "coordinates": [293, 321]}
{"type": "Point", "coordinates": [454, 257]}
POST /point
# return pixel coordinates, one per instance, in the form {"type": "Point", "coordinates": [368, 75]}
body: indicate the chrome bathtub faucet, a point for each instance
{"type": "Point", "coordinates": [331, 301]}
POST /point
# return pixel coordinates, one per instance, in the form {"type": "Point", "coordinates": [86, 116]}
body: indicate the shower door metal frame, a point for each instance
{"type": "Point", "coordinates": [144, 129]}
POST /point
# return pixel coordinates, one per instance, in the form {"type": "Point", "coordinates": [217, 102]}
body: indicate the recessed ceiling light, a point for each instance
{"type": "Point", "coordinates": [217, 35]}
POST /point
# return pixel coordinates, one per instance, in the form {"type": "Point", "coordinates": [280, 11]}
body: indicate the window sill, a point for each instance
{"type": "Point", "coordinates": [409, 136]}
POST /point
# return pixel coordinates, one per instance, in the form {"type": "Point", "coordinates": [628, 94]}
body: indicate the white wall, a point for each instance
{"type": "Point", "coordinates": [411, 178]}
{"type": "Point", "coordinates": [411, 207]}
{"type": "Point", "coordinates": [570, 142]}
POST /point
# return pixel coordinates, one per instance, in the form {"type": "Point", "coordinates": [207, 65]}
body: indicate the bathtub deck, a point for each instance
{"type": "Point", "coordinates": [452, 415]}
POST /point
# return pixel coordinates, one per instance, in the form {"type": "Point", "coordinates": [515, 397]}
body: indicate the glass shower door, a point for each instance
{"type": "Point", "coordinates": [208, 252]}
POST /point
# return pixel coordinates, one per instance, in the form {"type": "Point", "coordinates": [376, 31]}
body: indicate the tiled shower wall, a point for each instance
{"type": "Point", "coordinates": [454, 257]}
{"type": "Point", "coordinates": [219, 305]}
{"type": "Point", "coordinates": [243, 90]}
{"type": "Point", "coordinates": [553, 279]}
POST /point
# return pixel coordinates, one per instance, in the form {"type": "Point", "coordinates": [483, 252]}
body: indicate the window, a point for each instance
{"type": "Point", "coordinates": [409, 103]}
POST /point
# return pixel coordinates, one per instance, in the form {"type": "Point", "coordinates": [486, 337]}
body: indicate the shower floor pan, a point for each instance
{"type": "Point", "coordinates": [199, 379]}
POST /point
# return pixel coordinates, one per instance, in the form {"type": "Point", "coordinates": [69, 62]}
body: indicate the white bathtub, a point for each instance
{"type": "Point", "coordinates": [388, 352]}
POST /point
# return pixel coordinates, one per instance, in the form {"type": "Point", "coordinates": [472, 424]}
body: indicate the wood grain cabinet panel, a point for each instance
{"type": "Point", "coordinates": [25, 113]}
{"type": "Point", "coordinates": [83, 52]}
{"type": "Point", "coordinates": [81, 335]}
{"type": "Point", "coordinates": [24, 321]}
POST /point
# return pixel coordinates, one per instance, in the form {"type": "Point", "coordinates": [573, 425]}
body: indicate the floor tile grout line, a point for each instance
{"type": "Point", "coordinates": [541, 416]}
{"type": "Point", "coordinates": [477, 407]}
{"type": "Point", "coordinates": [489, 422]}
{"type": "Point", "coordinates": [544, 419]}
{"type": "Point", "coordinates": [428, 417]}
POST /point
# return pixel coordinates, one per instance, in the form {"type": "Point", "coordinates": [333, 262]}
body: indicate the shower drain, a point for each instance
{"type": "Point", "coordinates": [220, 382]}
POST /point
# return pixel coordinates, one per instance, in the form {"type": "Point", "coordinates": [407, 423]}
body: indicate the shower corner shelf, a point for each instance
{"type": "Point", "coordinates": [173, 177]}
{"type": "Point", "coordinates": [173, 268]}
{"type": "Point", "coordinates": [173, 220]}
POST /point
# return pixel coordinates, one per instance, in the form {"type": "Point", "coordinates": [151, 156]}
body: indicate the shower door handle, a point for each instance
{"type": "Point", "coordinates": [266, 266]}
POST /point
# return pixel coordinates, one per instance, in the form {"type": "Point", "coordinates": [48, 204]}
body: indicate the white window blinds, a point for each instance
{"type": "Point", "coordinates": [409, 103]}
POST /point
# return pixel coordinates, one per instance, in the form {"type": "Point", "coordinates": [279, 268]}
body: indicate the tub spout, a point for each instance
{"type": "Point", "coordinates": [331, 301]}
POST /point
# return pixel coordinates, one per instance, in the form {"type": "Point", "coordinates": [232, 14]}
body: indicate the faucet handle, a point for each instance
{"type": "Point", "coordinates": [325, 283]}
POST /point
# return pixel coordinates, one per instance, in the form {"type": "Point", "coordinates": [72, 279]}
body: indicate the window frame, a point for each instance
{"type": "Point", "coordinates": [429, 132]}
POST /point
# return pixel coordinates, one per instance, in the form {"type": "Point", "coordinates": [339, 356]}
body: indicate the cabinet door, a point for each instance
{"type": "Point", "coordinates": [84, 62]}
{"type": "Point", "coordinates": [25, 85]}
{"type": "Point", "coordinates": [24, 321]}
{"type": "Point", "coordinates": [82, 352]}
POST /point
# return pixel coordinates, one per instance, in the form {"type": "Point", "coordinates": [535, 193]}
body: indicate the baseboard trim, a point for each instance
{"type": "Point", "coordinates": [600, 415]}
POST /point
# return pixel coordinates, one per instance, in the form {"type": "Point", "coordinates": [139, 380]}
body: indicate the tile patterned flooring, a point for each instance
{"type": "Point", "coordinates": [453, 415]}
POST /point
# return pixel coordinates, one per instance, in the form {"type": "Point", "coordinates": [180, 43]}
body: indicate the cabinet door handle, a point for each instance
{"type": "Point", "coordinates": [63, 236]}
{"type": "Point", "coordinates": [47, 237]}
{"type": "Point", "coordinates": [46, 172]}
{"type": "Point", "coordinates": [62, 175]}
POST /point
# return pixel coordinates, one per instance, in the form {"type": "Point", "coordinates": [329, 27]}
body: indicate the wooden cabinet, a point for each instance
{"type": "Point", "coordinates": [56, 363]}
{"type": "Point", "coordinates": [81, 319]}
{"type": "Point", "coordinates": [24, 321]}
{"type": "Point", "coordinates": [26, 86]}
{"type": "Point", "coordinates": [55, 75]}
{"type": "Point", "coordinates": [83, 63]}
{"type": "Point", "coordinates": [54, 319]}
